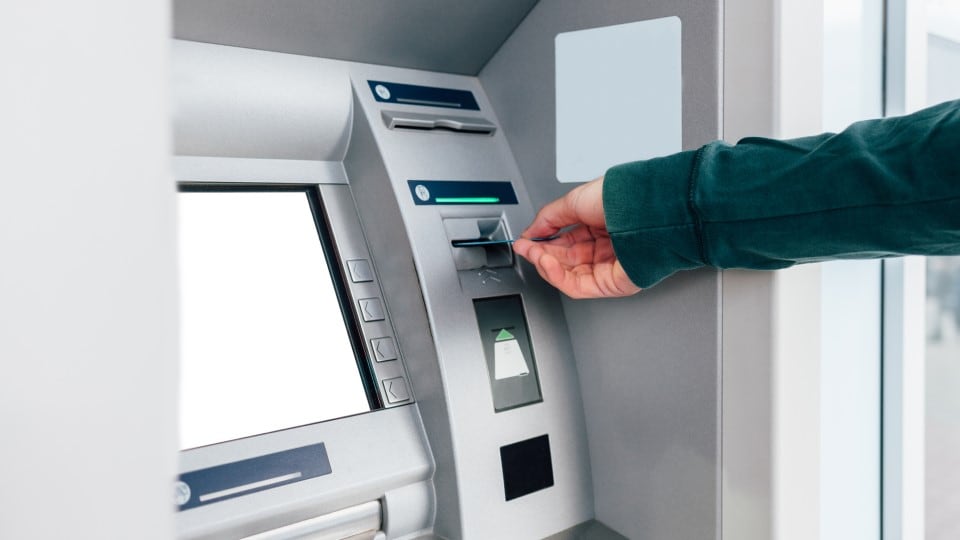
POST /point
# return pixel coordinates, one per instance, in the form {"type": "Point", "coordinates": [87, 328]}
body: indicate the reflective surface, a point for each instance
{"type": "Point", "coordinates": [263, 340]}
{"type": "Point", "coordinates": [943, 307]}
{"type": "Point", "coordinates": [943, 398]}
{"type": "Point", "coordinates": [943, 50]}
{"type": "Point", "coordinates": [850, 332]}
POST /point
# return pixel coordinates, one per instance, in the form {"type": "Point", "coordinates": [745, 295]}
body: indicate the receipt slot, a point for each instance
{"type": "Point", "coordinates": [506, 346]}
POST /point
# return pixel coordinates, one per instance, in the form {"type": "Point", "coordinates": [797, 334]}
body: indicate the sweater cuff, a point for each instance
{"type": "Point", "coordinates": [650, 217]}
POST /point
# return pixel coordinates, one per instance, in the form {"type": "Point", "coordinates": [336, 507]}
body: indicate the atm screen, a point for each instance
{"type": "Point", "coordinates": [267, 340]}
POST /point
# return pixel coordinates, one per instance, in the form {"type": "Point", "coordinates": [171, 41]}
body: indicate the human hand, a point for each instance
{"type": "Point", "coordinates": [579, 262]}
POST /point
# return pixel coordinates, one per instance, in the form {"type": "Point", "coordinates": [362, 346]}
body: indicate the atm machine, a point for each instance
{"type": "Point", "coordinates": [361, 357]}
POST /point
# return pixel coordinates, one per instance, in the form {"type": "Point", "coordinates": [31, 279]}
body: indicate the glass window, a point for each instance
{"type": "Point", "coordinates": [926, 37]}
{"type": "Point", "coordinates": [943, 308]}
{"type": "Point", "coordinates": [943, 399]}
{"type": "Point", "coordinates": [263, 338]}
{"type": "Point", "coordinates": [850, 366]}
{"type": "Point", "coordinates": [943, 51]}
{"type": "Point", "coordinates": [852, 62]}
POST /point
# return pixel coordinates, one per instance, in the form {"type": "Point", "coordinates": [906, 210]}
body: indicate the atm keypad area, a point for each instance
{"type": "Point", "coordinates": [479, 434]}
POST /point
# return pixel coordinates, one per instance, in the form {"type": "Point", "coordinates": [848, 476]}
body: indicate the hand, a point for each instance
{"type": "Point", "coordinates": [580, 262]}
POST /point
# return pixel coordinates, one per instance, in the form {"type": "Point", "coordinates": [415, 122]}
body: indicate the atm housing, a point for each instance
{"type": "Point", "coordinates": [610, 431]}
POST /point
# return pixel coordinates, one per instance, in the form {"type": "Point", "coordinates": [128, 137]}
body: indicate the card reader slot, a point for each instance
{"type": "Point", "coordinates": [479, 243]}
{"type": "Point", "coordinates": [492, 254]}
{"type": "Point", "coordinates": [431, 122]}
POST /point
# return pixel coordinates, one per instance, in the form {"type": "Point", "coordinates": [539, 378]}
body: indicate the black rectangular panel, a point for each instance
{"type": "Point", "coordinates": [459, 192]}
{"type": "Point", "coordinates": [426, 96]}
{"type": "Point", "coordinates": [527, 467]}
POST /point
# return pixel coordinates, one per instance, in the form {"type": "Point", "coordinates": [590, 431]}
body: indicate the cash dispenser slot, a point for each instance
{"type": "Point", "coordinates": [479, 243]}
{"type": "Point", "coordinates": [430, 122]}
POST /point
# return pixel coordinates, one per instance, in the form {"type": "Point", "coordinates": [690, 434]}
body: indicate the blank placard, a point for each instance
{"type": "Point", "coordinates": [619, 95]}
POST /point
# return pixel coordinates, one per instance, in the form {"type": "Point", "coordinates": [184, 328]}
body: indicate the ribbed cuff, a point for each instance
{"type": "Point", "coordinates": [650, 218]}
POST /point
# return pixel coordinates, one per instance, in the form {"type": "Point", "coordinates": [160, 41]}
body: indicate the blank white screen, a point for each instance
{"type": "Point", "coordinates": [263, 342]}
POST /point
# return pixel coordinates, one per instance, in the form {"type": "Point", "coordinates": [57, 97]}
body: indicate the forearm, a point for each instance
{"type": "Point", "coordinates": [879, 188]}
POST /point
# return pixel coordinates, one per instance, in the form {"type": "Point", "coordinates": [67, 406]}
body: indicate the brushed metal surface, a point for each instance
{"type": "Point", "coordinates": [454, 36]}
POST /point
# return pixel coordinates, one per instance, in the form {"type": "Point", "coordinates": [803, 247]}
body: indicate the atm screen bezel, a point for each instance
{"type": "Point", "coordinates": [335, 266]}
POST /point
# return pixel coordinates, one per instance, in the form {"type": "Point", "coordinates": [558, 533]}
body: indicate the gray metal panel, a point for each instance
{"type": "Point", "coordinates": [242, 103]}
{"type": "Point", "coordinates": [748, 342]}
{"type": "Point", "coordinates": [649, 365]}
{"type": "Point", "coordinates": [748, 339]}
{"type": "Point", "coordinates": [437, 35]}
{"type": "Point", "coordinates": [477, 431]}
{"type": "Point", "coordinates": [370, 454]}
{"type": "Point", "coordinates": [356, 522]}
{"type": "Point", "coordinates": [351, 244]}
{"type": "Point", "coordinates": [649, 377]}
{"type": "Point", "coordinates": [256, 170]}
{"type": "Point", "coordinates": [390, 249]}
{"type": "Point", "coordinates": [591, 530]}
{"type": "Point", "coordinates": [519, 79]}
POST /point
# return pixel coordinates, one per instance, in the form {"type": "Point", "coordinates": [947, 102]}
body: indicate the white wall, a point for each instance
{"type": "Point", "coordinates": [796, 367]}
{"type": "Point", "coordinates": [87, 272]}
{"type": "Point", "coordinates": [850, 401]}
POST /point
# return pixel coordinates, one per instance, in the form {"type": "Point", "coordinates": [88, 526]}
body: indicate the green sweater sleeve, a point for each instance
{"type": "Point", "coordinates": [880, 188]}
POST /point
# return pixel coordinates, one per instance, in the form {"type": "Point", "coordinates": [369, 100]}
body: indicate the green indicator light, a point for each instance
{"type": "Point", "coordinates": [467, 200]}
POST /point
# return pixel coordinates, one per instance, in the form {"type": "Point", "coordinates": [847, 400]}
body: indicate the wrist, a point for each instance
{"type": "Point", "coordinates": [647, 208]}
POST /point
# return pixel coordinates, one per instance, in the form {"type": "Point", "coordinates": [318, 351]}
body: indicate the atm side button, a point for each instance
{"type": "Point", "coordinates": [360, 271]}
{"type": "Point", "coordinates": [395, 390]}
{"type": "Point", "coordinates": [384, 349]}
{"type": "Point", "coordinates": [371, 309]}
